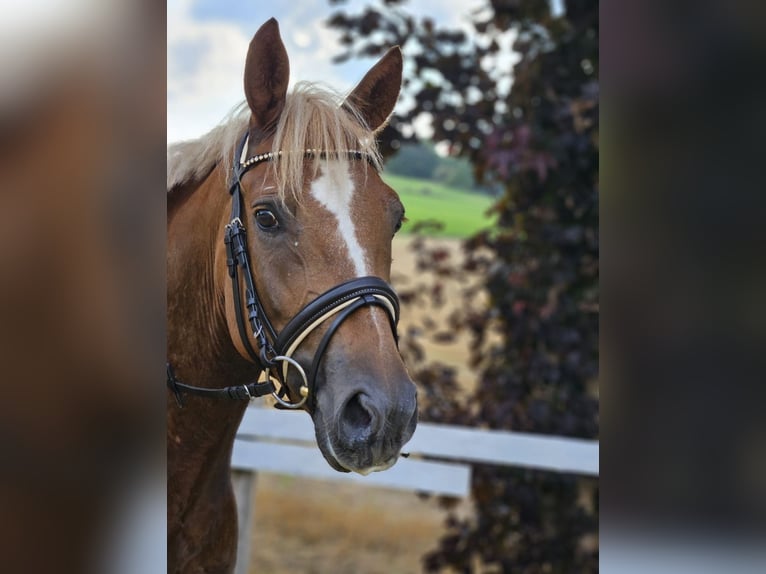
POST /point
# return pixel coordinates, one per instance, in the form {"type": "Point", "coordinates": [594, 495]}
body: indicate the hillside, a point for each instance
{"type": "Point", "coordinates": [463, 213]}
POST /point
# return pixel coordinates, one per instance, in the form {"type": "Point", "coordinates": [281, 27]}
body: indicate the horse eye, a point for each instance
{"type": "Point", "coordinates": [266, 219]}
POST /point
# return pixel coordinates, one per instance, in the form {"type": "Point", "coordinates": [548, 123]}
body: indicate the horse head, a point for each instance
{"type": "Point", "coordinates": [318, 215]}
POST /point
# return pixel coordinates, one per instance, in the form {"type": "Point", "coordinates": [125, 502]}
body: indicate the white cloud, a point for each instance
{"type": "Point", "coordinates": [206, 57]}
{"type": "Point", "coordinates": [206, 61]}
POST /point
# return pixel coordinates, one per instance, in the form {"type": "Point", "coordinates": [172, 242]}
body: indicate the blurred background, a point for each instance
{"type": "Point", "coordinates": [503, 327]}
{"type": "Point", "coordinates": [82, 218]}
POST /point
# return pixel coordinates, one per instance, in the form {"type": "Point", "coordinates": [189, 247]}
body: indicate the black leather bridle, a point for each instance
{"type": "Point", "coordinates": [274, 356]}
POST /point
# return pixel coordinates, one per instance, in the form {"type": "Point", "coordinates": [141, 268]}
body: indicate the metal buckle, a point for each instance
{"type": "Point", "coordinates": [304, 389]}
{"type": "Point", "coordinates": [235, 225]}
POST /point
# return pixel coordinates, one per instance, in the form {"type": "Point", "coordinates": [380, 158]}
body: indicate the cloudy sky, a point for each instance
{"type": "Point", "coordinates": [208, 40]}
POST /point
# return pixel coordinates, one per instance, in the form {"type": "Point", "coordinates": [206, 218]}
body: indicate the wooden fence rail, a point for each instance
{"type": "Point", "coordinates": [440, 458]}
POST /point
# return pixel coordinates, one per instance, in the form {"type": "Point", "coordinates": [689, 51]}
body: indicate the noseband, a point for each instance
{"type": "Point", "coordinates": [275, 355]}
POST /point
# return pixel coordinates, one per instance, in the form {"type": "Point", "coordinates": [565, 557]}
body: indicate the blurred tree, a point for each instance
{"type": "Point", "coordinates": [419, 159]}
{"type": "Point", "coordinates": [454, 173]}
{"type": "Point", "coordinates": [414, 160]}
{"type": "Point", "coordinates": [527, 119]}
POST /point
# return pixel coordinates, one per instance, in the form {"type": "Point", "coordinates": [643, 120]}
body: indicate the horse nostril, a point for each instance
{"type": "Point", "coordinates": [356, 417]}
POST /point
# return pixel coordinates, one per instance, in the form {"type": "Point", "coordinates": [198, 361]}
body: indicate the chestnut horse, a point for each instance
{"type": "Point", "coordinates": [278, 262]}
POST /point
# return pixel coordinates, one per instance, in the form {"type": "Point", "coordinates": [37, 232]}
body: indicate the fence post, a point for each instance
{"type": "Point", "coordinates": [243, 483]}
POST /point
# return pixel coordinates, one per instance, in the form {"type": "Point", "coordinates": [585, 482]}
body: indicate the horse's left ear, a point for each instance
{"type": "Point", "coordinates": [376, 95]}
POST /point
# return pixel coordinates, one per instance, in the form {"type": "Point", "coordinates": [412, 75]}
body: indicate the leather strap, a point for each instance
{"type": "Point", "coordinates": [235, 253]}
{"type": "Point", "coordinates": [237, 392]}
{"type": "Point", "coordinates": [334, 298]}
{"type": "Point", "coordinates": [237, 256]}
{"type": "Point", "coordinates": [366, 300]}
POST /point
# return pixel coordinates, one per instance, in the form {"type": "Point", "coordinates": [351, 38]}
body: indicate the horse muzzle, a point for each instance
{"type": "Point", "coordinates": [366, 432]}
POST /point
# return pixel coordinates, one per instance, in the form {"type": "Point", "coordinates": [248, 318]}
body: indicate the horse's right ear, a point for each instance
{"type": "Point", "coordinates": [267, 72]}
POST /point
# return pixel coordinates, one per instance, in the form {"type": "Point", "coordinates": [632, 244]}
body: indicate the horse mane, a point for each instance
{"type": "Point", "coordinates": [314, 117]}
{"type": "Point", "coordinates": [191, 161]}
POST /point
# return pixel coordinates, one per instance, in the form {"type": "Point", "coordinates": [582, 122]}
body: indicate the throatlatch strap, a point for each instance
{"type": "Point", "coordinates": [236, 392]}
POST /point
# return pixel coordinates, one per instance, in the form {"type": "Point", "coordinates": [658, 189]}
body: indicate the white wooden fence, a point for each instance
{"type": "Point", "coordinates": [282, 442]}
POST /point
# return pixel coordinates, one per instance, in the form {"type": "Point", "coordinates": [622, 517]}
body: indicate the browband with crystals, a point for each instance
{"type": "Point", "coordinates": [245, 163]}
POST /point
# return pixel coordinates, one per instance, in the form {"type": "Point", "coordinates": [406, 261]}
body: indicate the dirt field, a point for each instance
{"type": "Point", "coordinates": [304, 526]}
{"type": "Point", "coordinates": [326, 527]}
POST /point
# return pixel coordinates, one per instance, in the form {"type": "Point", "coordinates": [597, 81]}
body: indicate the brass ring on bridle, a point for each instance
{"type": "Point", "coordinates": [304, 389]}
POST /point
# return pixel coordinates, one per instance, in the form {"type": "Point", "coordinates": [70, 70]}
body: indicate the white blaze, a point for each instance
{"type": "Point", "coordinates": [334, 190]}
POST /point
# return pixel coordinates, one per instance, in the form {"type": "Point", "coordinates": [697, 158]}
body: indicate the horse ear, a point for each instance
{"type": "Point", "coordinates": [376, 95]}
{"type": "Point", "coordinates": [267, 72]}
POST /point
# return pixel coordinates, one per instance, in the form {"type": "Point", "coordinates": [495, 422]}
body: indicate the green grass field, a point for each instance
{"type": "Point", "coordinates": [462, 213]}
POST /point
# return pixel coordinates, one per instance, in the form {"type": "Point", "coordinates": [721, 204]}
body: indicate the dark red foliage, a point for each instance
{"type": "Point", "coordinates": [539, 141]}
